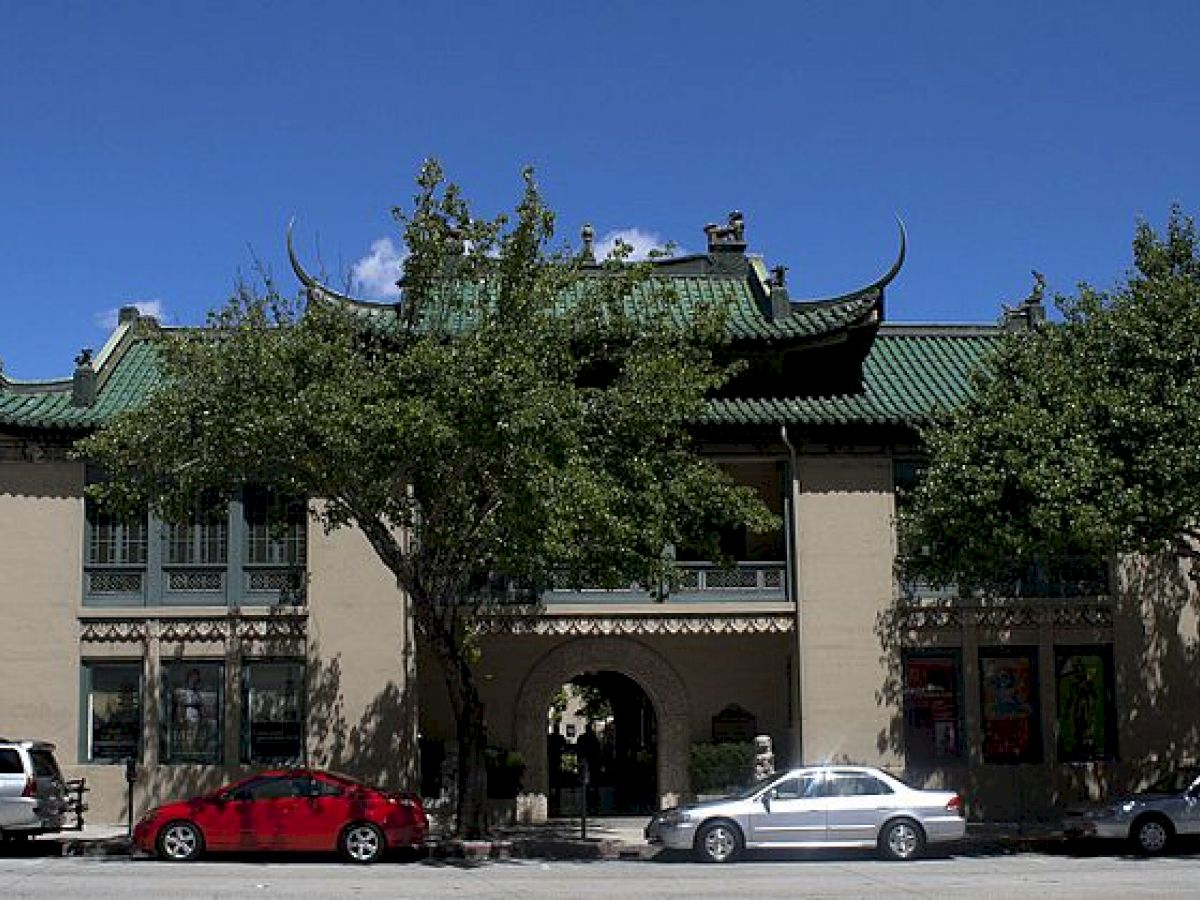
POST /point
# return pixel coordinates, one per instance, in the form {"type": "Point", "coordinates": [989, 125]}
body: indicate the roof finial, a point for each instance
{"type": "Point", "coordinates": [83, 384]}
{"type": "Point", "coordinates": [588, 235]}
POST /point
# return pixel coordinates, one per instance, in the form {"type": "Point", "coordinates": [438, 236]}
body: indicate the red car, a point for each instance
{"type": "Point", "coordinates": [295, 810]}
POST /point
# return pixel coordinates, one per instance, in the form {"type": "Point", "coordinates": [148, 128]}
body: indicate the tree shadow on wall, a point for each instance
{"type": "Point", "coordinates": [1156, 661]}
{"type": "Point", "coordinates": [377, 745]}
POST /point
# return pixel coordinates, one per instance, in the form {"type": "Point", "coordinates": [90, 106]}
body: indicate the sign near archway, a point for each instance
{"type": "Point", "coordinates": [734, 723]}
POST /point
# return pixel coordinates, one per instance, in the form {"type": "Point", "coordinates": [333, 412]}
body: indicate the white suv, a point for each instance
{"type": "Point", "coordinates": [33, 796]}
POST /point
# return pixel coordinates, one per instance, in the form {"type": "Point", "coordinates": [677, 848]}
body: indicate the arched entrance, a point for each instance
{"type": "Point", "coordinates": [652, 674]}
{"type": "Point", "coordinates": [604, 722]}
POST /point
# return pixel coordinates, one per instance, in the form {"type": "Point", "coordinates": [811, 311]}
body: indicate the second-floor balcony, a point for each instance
{"type": "Point", "coordinates": [695, 582]}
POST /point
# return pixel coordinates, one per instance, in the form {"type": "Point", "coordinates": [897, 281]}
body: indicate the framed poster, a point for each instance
{"type": "Point", "coordinates": [1083, 682]}
{"type": "Point", "coordinates": [1009, 706]}
{"type": "Point", "coordinates": [932, 707]}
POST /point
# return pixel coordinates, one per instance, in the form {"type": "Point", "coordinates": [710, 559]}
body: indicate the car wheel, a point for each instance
{"type": "Point", "coordinates": [1151, 835]}
{"type": "Point", "coordinates": [362, 843]}
{"type": "Point", "coordinates": [718, 842]}
{"type": "Point", "coordinates": [901, 839]}
{"type": "Point", "coordinates": [180, 841]}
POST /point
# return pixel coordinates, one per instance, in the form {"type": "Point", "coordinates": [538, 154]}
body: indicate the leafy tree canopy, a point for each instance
{"type": "Point", "coordinates": [1082, 437]}
{"type": "Point", "coordinates": [483, 433]}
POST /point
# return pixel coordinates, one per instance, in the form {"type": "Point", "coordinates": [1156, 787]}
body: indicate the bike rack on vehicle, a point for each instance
{"type": "Point", "coordinates": [76, 788]}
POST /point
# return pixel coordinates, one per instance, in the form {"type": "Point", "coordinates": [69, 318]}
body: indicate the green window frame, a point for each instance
{"type": "Point", "coordinates": [273, 711]}
{"type": "Point", "coordinates": [112, 711]}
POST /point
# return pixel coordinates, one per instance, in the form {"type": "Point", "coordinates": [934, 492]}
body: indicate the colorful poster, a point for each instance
{"type": "Point", "coordinates": [1010, 717]}
{"type": "Point", "coordinates": [1082, 706]}
{"type": "Point", "coordinates": [931, 705]}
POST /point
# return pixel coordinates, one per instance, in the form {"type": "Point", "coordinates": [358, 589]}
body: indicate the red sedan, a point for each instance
{"type": "Point", "coordinates": [295, 810]}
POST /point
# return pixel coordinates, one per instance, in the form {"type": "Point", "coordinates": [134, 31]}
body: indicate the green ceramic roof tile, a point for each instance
{"type": "Point", "coordinates": [910, 373]}
{"type": "Point", "coordinates": [734, 293]}
{"type": "Point", "coordinates": [48, 404]}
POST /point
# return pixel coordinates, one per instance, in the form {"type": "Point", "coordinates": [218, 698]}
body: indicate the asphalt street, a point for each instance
{"type": "Point", "coordinates": [1015, 875]}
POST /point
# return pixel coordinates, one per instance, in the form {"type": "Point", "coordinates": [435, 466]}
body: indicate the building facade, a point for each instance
{"type": "Point", "coordinates": [247, 637]}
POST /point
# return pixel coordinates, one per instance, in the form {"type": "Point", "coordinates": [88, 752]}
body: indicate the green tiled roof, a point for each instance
{"type": "Point", "coordinates": [909, 373]}
{"type": "Point", "coordinates": [48, 404]}
{"type": "Point", "coordinates": [734, 294]}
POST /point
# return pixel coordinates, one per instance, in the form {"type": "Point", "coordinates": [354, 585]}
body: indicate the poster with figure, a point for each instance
{"type": "Point", "coordinates": [1009, 707]}
{"type": "Point", "coordinates": [1082, 706]}
{"type": "Point", "coordinates": [194, 713]}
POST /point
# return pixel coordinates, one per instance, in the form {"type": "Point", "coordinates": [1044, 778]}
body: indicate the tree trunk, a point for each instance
{"type": "Point", "coordinates": [468, 710]}
{"type": "Point", "coordinates": [472, 769]}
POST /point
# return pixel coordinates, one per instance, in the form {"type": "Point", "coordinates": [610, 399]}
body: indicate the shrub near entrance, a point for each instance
{"type": "Point", "coordinates": [721, 768]}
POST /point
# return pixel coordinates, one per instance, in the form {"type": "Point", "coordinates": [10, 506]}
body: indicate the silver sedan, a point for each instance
{"type": "Point", "coordinates": [1149, 820]}
{"type": "Point", "coordinates": [816, 806]}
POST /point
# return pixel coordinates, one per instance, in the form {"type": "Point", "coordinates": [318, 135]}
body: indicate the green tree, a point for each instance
{"type": "Point", "coordinates": [516, 420]}
{"type": "Point", "coordinates": [1082, 437]}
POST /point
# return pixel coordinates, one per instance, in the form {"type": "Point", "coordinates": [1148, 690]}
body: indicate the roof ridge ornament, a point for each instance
{"type": "Point", "coordinates": [879, 283]}
{"type": "Point", "coordinates": [314, 287]}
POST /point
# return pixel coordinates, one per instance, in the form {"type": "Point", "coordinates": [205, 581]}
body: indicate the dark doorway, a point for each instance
{"type": "Point", "coordinates": [603, 719]}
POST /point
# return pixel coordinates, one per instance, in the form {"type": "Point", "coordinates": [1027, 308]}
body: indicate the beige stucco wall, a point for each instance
{"type": "Point", "coordinates": [1157, 661]}
{"type": "Point", "coordinates": [41, 572]}
{"type": "Point", "coordinates": [846, 551]}
{"type": "Point", "coordinates": [362, 710]}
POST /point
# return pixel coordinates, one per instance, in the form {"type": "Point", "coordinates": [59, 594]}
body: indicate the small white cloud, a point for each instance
{"type": "Point", "coordinates": [641, 241]}
{"type": "Point", "coordinates": [107, 320]}
{"type": "Point", "coordinates": [376, 274]}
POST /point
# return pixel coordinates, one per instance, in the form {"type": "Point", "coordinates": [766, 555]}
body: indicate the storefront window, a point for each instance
{"type": "Point", "coordinates": [932, 708]}
{"type": "Point", "coordinates": [193, 700]}
{"type": "Point", "coordinates": [113, 718]}
{"type": "Point", "coordinates": [1086, 722]}
{"type": "Point", "coordinates": [272, 712]}
{"type": "Point", "coordinates": [1009, 701]}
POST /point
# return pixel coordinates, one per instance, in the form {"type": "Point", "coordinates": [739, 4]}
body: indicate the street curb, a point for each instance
{"type": "Point", "coordinates": [115, 846]}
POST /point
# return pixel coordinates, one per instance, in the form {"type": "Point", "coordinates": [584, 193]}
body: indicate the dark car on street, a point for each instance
{"type": "Point", "coordinates": [296, 810]}
{"type": "Point", "coordinates": [1150, 820]}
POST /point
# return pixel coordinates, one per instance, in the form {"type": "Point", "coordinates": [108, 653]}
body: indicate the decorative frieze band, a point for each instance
{"type": "Point", "coordinates": [948, 615]}
{"type": "Point", "coordinates": [193, 629]}
{"type": "Point", "coordinates": [612, 625]}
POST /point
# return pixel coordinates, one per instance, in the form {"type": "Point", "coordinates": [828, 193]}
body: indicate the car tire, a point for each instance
{"type": "Point", "coordinates": [1151, 835]}
{"type": "Point", "coordinates": [718, 842]}
{"type": "Point", "coordinates": [179, 841]}
{"type": "Point", "coordinates": [362, 843]}
{"type": "Point", "coordinates": [901, 840]}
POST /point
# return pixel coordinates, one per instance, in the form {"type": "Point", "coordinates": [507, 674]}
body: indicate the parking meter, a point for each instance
{"type": "Point", "coordinates": [131, 777]}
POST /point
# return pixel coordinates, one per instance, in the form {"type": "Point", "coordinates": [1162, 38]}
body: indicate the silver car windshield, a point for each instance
{"type": "Point", "coordinates": [749, 792]}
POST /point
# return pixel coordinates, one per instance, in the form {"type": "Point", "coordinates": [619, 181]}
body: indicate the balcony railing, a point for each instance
{"type": "Point", "coordinates": [697, 582]}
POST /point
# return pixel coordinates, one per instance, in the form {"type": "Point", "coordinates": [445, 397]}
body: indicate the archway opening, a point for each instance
{"type": "Point", "coordinates": [602, 722]}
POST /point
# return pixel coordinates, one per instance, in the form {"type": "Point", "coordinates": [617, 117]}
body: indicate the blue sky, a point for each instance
{"type": "Point", "coordinates": [150, 151]}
